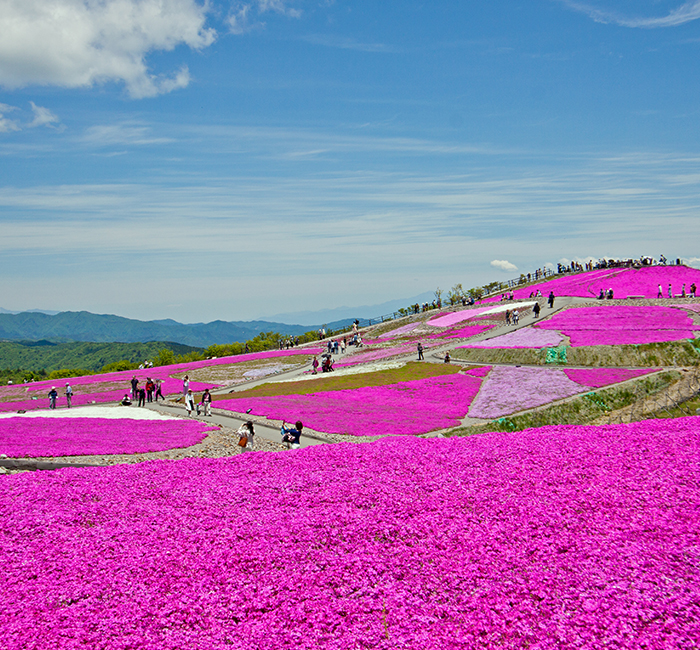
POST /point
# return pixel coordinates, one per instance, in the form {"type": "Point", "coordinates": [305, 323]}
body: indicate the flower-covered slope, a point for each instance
{"type": "Point", "coordinates": [621, 325]}
{"type": "Point", "coordinates": [624, 282]}
{"type": "Point", "coordinates": [410, 407]}
{"type": "Point", "coordinates": [511, 389]}
{"type": "Point", "coordinates": [563, 537]}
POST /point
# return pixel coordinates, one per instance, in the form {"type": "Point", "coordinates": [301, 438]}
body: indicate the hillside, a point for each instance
{"type": "Point", "coordinates": [85, 326]}
{"type": "Point", "coordinates": [49, 356]}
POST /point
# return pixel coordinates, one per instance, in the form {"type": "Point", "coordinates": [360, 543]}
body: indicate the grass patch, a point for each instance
{"type": "Point", "coordinates": [582, 409]}
{"type": "Point", "coordinates": [411, 371]}
{"type": "Point", "coordinates": [648, 355]}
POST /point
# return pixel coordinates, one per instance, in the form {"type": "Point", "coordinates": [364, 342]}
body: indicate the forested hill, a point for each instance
{"type": "Point", "coordinates": [85, 326]}
{"type": "Point", "coordinates": [48, 356]}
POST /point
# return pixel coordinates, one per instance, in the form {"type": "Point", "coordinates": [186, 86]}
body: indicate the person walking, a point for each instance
{"type": "Point", "coordinates": [670, 292]}
{"type": "Point", "coordinates": [142, 396]}
{"type": "Point", "coordinates": [206, 402]}
{"type": "Point", "coordinates": [420, 351]}
{"type": "Point", "coordinates": [660, 293]}
{"type": "Point", "coordinates": [536, 309]}
{"type": "Point", "coordinates": [185, 385]}
{"type": "Point", "coordinates": [314, 365]}
{"type": "Point", "coordinates": [550, 300]}
{"type": "Point", "coordinates": [189, 402]}
{"type": "Point", "coordinates": [159, 389]}
{"type": "Point", "coordinates": [134, 387]}
{"type": "Point", "coordinates": [693, 288]}
{"type": "Point", "coordinates": [292, 435]}
{"type": "Point", "coordinates": [53, 394]}
{"type": "Point", "coordinates": [69, 395]}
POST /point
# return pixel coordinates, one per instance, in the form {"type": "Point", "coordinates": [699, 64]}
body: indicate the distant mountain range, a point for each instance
{"type": "Point", "coordinates": [85, 326]}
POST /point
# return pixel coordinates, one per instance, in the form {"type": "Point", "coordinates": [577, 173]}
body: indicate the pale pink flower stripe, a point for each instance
{"type": "Point", "coordinates": [597, 377]}
{"type": "Point", "coordinates": [399, 331]}
{"type": "Point", "coordinates": [522, 338]}
{"type": "Point", "coordinates": [621, 325]}
{"type": "Point", "coordinates": [408, 408]}
{"type": "Point", "coordinates": [691, 306]}
{"type": "Point", "coordinates": [453, 318]}
{"type": "Point", "coordinates": [624, 282]}
{"type": "Point", "coordinates": [509, 389]}
{"type": "Point", "coordinates": [464, 332]}
{"type": "Point", "coordinates": [35, 437]}
{"type": "Point", "coordinates": [562, 537]}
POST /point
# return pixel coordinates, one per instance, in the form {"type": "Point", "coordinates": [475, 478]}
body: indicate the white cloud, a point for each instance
{"type": "Point", "coordinates": [7, 125]}
{"type": "Point", "coordinates": [504, 265]}
{"type": "Point", "coordinates": [43, 117]}
{"type": "Point", "coordinates": [241, 19]}
{"type": "Point", "coordinates": [75, 43]}
{"type": "Point", "coordinates": [685, 13]}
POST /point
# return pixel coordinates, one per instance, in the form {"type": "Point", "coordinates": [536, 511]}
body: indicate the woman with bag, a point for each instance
{"type": "Point", "coordinates": [292, 435]}
{"type": "Point", "coordinates": [246, 435]}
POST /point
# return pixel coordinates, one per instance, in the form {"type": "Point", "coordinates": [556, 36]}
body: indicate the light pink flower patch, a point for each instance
{"type": "Point", "coordinates": [509, 389]}
{"type": "Point", "coordinates": [36, 437]}
{"type": "Point", "coordinates": [561, 537]}
{"type": "Point", "coordinates": [408, 408]}
{"type": "Point", "coordinates": [399, 331]}
{"type": "Point", "coordinates": [453, 318]}
{"type": "Point", "coordinates": [597, 377]}
{"type": "Point", "coordinates": [690, 306]}
{"type": "Point", "coordinates": [621, 325]}
{"type": "Point", "coordinates": [526, 337]}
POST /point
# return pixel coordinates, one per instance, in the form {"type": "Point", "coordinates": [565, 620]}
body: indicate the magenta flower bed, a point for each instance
{"type": "Point", "coordinates": [463, 332]}
{"type": "Point", "coordinates": [527, 337]}
{"type": "Point", "coordinates": [562, 537]}
{"type": "Point", "coordinates": [478, 372]}
{"type": "Point", "coordinates": [509, 389]}
{"type": "Point", "coordinates": [40, 436]}
{"type": "Point", "coordinates": [624, 282]}
{"type": "Point", "coordinates": [597, 377]}
{"type": "Point", "coordinates": [411, 407]}
{"type": "Point", "coordinates": [621, 325]}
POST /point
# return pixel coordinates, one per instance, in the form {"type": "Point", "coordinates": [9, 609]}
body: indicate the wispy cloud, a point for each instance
{"type": "Point", "coordinates": [121, 134]}
{"type": "Point", "coordinates": [7, 125]}
{"type": "Point", "coordinates": [687, 12]}
{"type": "Point", "coordinates": [344, 43]}
{"type": "Point", "coordinates": [43, 117]}
{"type": "Point", "coordinates": [245, 16]}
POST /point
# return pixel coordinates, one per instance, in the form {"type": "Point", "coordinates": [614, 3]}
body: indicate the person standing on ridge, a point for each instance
{"type": "Point", "coordinates": [69, 394]}
{"type": "Point", "coordinates": [420, 351]}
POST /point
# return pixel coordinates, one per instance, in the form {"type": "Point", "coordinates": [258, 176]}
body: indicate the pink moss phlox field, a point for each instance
{"type": "Point", "coordinates": [378, 354]}
{"type": "Point", "coordinates": [527, 337]}
{"type": "Point", "coordinates": [477, 372]}
{"type": "Point", "coordinates": [621, 325]}
{"type": "Point", "coordinates": [452, 318]}
{"type": "Point", "coordinates": [101, 388]}
{"type": "Point", "coordinates": [561, 537]}
{"type": "Point", "coordinates": [412, 407]}
{"type": "Point", "coordinates": [40, 436]}
{"type": "Point", "coordinates": [597, 377]}
{"type": "Point", "coordinates": [509, 389]}
{"type": "Point", "coordinates": [399, 331]}
{"type": "Point", "coordinates": [463, 332]}
{"type": "Point", "coordinates": [624, 282]}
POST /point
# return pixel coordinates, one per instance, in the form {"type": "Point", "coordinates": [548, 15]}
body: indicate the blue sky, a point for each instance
{"type": "Point", "coordinates": [171, 159]}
